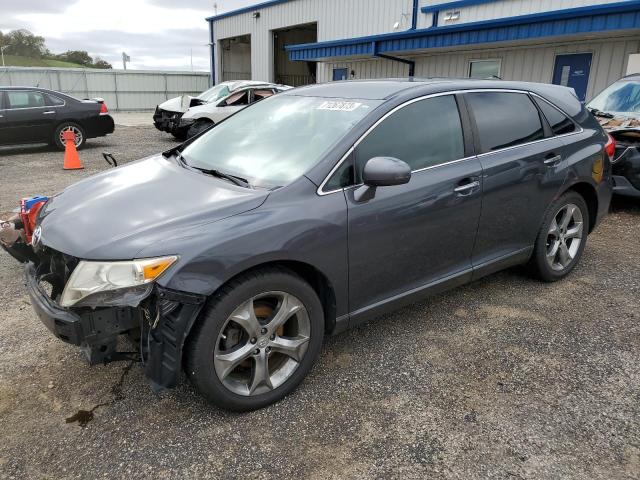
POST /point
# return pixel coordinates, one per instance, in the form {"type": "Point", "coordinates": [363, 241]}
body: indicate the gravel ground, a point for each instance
{"type": "Point", "coordinates": [503, 378]}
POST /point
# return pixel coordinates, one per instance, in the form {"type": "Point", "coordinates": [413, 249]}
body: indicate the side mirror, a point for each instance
{"type": "Point", "coordinates": [382, 172]}
{"type": "Point", "coordinates": [385, 171]}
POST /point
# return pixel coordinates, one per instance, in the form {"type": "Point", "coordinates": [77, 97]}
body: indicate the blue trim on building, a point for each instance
{"type": "Point", "coordinates": [449, 5]}
{"type": "Point", "coordinates": [250, 8]}
{"type": "Point", "coordinates": [599, 18]}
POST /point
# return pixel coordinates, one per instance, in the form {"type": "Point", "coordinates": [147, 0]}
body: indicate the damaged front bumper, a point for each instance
{"type": "Point", "coordinates": [167, 121]}
{"type": "Point", "coordinates": [160, 323]}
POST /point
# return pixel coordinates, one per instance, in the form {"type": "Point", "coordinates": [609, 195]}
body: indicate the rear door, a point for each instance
{"type": "Point", "coordinates": [523, 169]}
{"type": "Point", "coordinates": [28, 118]}
{"type": "Point", "coordinates": [410, 236]}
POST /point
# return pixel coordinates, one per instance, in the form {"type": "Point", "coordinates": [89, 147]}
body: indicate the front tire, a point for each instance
{"type": "Point", "coordinates": [81, 137]}
{"type": "Point", "coordinates": [199, 127]}
{"type": "Point", "coordinates": [561, 239]}
{"type": "Point", "coordinates": [256, 340]}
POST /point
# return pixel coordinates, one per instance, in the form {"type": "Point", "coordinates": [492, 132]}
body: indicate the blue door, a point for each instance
{"type": "Point", "coordinates": [339, 74]}
{"type": "Point", "coordinates": [573, 71]}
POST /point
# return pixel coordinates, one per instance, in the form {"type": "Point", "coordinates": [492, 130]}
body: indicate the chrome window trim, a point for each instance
{"type": "Point", "coordinates": [320, 192]}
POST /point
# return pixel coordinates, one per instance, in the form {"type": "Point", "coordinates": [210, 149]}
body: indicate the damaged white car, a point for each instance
{"type": "Point", "coordinates": [176, 117]}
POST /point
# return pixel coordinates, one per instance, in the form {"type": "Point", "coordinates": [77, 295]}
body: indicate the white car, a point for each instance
{"type": "Point", "coordinates": [186, 116]}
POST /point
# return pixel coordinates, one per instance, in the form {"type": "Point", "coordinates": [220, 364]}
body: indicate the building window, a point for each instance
{"type": "Point", "coordinates": [484, 68]}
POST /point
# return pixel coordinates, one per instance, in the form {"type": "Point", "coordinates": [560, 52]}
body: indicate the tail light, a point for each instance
{"type": "Point", "coordinates": [103, 108]}
{"type": "Point", "coordinates": [610, 147]}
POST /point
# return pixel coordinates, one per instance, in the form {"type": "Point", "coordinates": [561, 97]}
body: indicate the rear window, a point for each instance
{"type": "Point", "coordinates": [559, 122]}
{"type": "Point", "coordinates": [504, 119]}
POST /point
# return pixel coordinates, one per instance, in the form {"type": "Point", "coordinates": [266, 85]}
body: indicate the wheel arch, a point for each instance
{"type": "Point", "coordinates": [310, 274]}
{"type": "Point", "coordinates": [590, 196]}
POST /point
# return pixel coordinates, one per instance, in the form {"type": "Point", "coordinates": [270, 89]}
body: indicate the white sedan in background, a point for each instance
{"type": "Point", "coordinates": [186, 116]}
{"type": "Point", "coordinates": [203, 117]}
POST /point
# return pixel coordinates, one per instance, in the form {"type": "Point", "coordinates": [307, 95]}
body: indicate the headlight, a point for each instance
{"type": "Point", "coordinates": [186, 121]}
{"type": "Point", "coordinates": [113, 283]}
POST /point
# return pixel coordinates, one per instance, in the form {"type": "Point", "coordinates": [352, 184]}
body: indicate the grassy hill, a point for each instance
{"type": "Point", "coordinates": [17, 61]}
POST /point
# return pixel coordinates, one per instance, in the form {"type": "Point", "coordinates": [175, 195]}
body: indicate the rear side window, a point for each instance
{"type": "Point", "coordinates": [53, 100]}
{"type": "Point", "coordinates": [559, 122]}
{"type": "Point", "coordinates": [504, 119]}
{"type": "Point", "coordinates": [424, 134]}
{"type": "Point", "coordinates": [25, 99]}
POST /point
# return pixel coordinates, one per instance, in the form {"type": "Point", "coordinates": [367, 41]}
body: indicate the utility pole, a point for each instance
{"type": "Point", "coordinates": [2, 49]}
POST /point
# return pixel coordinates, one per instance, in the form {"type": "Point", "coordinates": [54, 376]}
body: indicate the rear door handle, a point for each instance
{"type": "Point", "coordinates": [467, 187]}
{"type": "Point", "coordinates": [553, 160]}
{"type": "Point", "coordinates": [49, 112]}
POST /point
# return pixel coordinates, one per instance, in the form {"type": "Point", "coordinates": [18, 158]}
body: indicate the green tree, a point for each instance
{"type": "Point", "coordinates": [100, 63]}
{"type": "Point", "coordinates": [80, 57]}
{"type": "Point", "coordinates": [24, 43]}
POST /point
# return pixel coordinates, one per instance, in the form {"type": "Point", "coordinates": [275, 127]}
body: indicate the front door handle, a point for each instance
{"type": "Point", "coordinates": [49, 112]}
{"type": "Point", "coordinates": [552, 160]}
{"type": "Point", "coordinates": [467, 187]}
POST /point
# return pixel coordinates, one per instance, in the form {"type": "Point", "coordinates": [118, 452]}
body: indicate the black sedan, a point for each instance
{"type": "Point", "coordinates": [37, 115]}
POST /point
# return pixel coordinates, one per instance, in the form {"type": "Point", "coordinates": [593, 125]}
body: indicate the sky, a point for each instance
{"type": "Point", "coordinates": [156, 34]}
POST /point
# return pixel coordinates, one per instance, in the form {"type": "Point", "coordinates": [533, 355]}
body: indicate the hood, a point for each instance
{"type": "Point", "coordinates": [114, 215]}
{"type": "Point", "coordinates": [180, 104]}
{"type": "Point", "coordinates": [198, 111]}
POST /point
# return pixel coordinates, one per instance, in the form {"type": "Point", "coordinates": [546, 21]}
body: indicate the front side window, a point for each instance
{"type": "Point", "coordinates": [560, 124]}
{"type": "Point", "coordinates": [276, 140]}
{"type": "Point", "coordinates": [423, 134]}
{"type": "Point", "coordinates": [484, 69]}
{"type": "Point", "coordinates": [504, 119]}
{"type": "Point", "coordinates": [621, 97]}
{"type": "Point", "coordinates": [24, 99]}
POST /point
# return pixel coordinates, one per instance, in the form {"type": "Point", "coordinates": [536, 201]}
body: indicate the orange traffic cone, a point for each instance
{"type": "Point", "coordinates": [71, 158]}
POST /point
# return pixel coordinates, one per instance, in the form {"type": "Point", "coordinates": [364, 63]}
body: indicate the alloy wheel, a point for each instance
{"type": "Point", "coordinates": [76, 132]}
{"type": "Point", "coordinates": [564, 237]}
{"type": "Point", "coordinates": [262, 343]}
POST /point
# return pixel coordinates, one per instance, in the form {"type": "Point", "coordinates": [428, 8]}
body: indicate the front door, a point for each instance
{"type": "Point", "coordinates": [339, 74]}
{"type": "Point", "coordinates": [409, 236]}
{"type": "Point", "coordinates": [27, 117]}
{"type": "Point", "coordinates": [573, 71]}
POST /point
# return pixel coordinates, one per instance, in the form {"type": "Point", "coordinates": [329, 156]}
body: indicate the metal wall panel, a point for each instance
{"type": "Point", "coordinates": [121, 90]}
{"type": "Point", "coordinates": [336, 19]}
{"type": "Point", "coordinates": [532, 63]}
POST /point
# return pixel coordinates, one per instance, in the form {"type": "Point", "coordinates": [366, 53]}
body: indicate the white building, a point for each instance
{"type": "Point", "coordinates": [586, 44]}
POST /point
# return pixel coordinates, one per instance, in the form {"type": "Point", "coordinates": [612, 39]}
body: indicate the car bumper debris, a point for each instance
{"type": "Point", "coordinates": [626, 161]}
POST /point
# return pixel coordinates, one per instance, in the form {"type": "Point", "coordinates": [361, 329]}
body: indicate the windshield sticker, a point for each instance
{"type": "Point", "coordinates": [339, 106]}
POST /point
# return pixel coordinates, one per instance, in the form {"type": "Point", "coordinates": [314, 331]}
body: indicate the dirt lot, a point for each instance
{"type": "Point", "coordinates": [504, 378]}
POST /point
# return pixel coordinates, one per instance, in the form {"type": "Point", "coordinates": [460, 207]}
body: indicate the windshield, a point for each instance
{"type": "Point", "coordinates": [621, 97]}
{"type": "Point", "coordinates": [277, 139]}
{"type": "Point", "coordinates": [214, 93]}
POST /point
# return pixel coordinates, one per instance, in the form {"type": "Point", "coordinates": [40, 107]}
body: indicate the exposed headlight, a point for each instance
{"type": "Point", "coordinates": [113, 283]}
{"type": "Point", "coordinates": [186, 121]}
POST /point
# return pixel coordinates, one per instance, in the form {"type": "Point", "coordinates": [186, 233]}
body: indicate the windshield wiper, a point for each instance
{"type": "Point", "coordinates": [241, 182]}
{"type": "Point", "coordinates": [600, 113]}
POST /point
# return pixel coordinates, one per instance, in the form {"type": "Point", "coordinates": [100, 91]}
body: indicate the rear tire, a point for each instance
{"type": "Point", "coordinates": [81, 136]}
{"type": "Point", "coordinates": [561, 239]}
{"type": "Point", "coordinates": [293, 322]}
{"type": "Point", "coordinates": [199, 127]}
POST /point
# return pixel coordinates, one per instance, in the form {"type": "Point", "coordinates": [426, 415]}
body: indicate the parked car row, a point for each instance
{"type": "Point", "coordinates": [308, 213]}
{"type": "Point", "coordinates": [186, 116]}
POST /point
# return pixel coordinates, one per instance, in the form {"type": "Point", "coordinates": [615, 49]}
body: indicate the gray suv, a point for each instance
{"type": "Point", "coordinates": [232, 255]}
